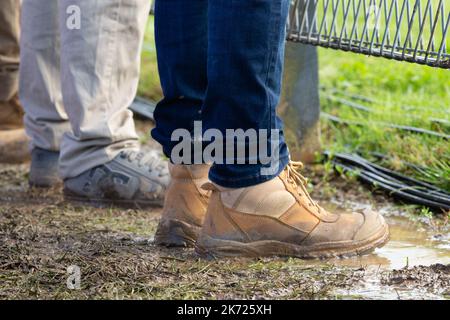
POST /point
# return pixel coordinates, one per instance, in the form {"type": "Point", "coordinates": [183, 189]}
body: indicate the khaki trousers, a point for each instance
{"type": "Point", "coordinates": [79, 72]}
{"type": "Point", "coordinates": [9, 48]}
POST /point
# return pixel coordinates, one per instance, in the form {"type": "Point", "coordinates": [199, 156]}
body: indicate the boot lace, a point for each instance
{"type": "Point", "coordinates": [299, 182]}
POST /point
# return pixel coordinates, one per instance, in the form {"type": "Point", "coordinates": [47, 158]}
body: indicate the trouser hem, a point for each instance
{"type": "Point", "coordinates": [249, 180]}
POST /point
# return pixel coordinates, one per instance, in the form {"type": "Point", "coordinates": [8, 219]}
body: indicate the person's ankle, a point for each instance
{"type": "Point", "coordinates": [249, 199]}
{"type": "Point", "coordinates": [194, 171]}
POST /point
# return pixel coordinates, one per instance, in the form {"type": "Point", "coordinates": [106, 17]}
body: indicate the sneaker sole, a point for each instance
{"type": "Point", "coordinates": [45, 183]}
{"type": "Point", "coordinates": [208, 247]}
{"type": "Point", "coordinates": [176, 233]}
{"type": "Point", "coordinates": [102, 203]}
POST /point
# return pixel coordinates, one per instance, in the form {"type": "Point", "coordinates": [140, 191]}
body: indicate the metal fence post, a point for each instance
{"type": "Point", "coordinates": [300, 105]}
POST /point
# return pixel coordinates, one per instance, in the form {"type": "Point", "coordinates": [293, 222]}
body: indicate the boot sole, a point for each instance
{"type": "Point", "coordinates": [208, 247]}
{"type": "Point", "coordinates": [176, 233]}
{"type": "Point", "coordinates": [102, 203]}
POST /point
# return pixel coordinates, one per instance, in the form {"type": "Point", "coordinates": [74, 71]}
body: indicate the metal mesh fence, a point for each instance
{"type": "Point", "coordinates": [406, 30]}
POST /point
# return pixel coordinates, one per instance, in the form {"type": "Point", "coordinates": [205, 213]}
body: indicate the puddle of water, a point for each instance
{"type": "Point", "coordinates": [372, 288]}
{"type": "Point", "coordinates": [412, 243]}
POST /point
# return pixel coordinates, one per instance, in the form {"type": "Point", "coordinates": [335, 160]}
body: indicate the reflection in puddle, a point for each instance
{"type": "Point", "coordinates": [412, 244]}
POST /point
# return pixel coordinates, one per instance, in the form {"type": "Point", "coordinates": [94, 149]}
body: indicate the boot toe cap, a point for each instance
{"type": "Point", "coordinates": [373, 224]}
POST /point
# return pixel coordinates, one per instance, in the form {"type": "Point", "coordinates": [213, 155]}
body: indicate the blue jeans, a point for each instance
{"type": "Point", "coordinates": [221, 63]}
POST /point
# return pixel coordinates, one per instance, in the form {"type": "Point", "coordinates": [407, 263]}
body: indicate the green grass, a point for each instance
{"type": "Point", "coordinates": [405, 94]}
{"type": "Point", "coordinates": [149, 86]}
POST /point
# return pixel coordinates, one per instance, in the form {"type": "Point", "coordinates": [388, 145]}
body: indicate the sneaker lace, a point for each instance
{"type": "Point", "coordinates": [299, 181]}
{"type": "Point", "coordinates": [151, 160]}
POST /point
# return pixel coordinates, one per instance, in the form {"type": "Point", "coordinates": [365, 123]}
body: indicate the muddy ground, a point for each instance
{"type": "Point", "coordinates": [41, 236]}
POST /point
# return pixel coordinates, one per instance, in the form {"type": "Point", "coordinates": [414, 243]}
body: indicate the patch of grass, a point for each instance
{"type": "Point", "coordinates": [38, 242]}
{"type": "Point", "coordinates": [403, 94]}
{"type": "Point", "coordinates": [149, 86]}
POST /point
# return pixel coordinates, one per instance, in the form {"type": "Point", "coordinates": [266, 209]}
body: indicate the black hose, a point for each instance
{"type": "Point", "coordinates": [351, 102]}
{"type": "Point", "coordinates": [397, 185]}
{"type": "Point", "coordinates": [386, 125]}
{"type": "Point", "coordinates": [390, 173]}
{"type": "Point", "coordinates": [400, 194]}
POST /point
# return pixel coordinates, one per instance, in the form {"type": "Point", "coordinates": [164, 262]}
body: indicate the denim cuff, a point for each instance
{"type": "Point", "coordinates": [232, 181]}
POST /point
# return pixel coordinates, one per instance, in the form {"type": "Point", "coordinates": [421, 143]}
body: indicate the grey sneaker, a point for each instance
{"type": "Point", "coordinates": [44, 169]}
{"type": "Point", "coordinates": [132, 179]}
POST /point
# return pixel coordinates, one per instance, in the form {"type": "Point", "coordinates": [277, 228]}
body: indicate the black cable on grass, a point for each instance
{"type": "Point", "coordinates": [349, 100]}
{"type": "Point", "coordinates": [357, 97]}
{"type": "Point", "coordinates": [336, 119]}
{"type": "Point", "coordinates": [397, 185]}
{"type": "Point", "coordinates": [360, 107]}
{"type": "Point", "coordinates": [387, 173]}
{"type": "Point", "coordinates": [421, 169]}
{"type": "Point", "coordinates": [398, 192]}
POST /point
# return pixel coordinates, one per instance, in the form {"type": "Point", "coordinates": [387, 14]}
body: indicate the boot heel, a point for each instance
{"type": "Point", "coordinates": [176, 233]}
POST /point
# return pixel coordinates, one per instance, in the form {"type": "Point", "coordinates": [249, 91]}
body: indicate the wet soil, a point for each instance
{"type": "Point", "coordinates": [41, 236]}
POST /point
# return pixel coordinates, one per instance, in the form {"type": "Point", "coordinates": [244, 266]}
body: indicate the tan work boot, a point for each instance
{"type": "Point", "coordinates": [184, 207]}
{"type": "Point", "coordinates": [280, 218]}
{"type": "Point", "coordinates": [11, 114]}
{"type": "Point", "coordinates": [14, 146]}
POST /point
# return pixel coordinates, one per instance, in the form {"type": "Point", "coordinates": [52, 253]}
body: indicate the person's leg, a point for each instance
{"type": "Point", "coordinates": [220, 63]}
{"type": "Point", "coordinates": [9, 49]}
{"type": "Point", "coordinates": [100, 63]}
{"type": "Point", "coordinates": [40, 90]}
{"type": "Point", "coordinates": [251, 212]}
{"type": "Point", "coordinates": [245, 63]}
{"type": "Point", "coordinates": [181, 41]}
{"type": "Point", "coordinates": [13, 140]}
